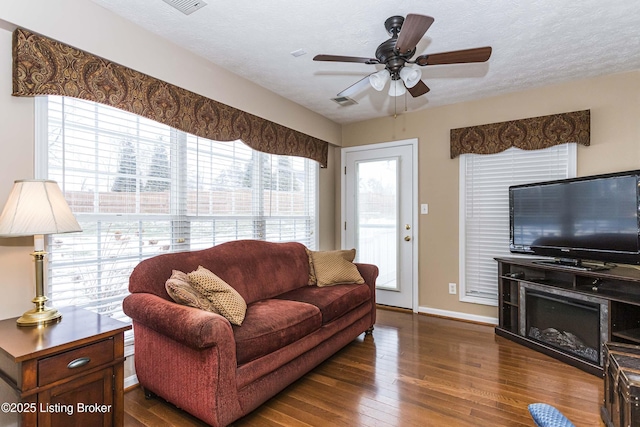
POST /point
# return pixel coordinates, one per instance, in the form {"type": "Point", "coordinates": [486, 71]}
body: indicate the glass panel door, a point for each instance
{"type": "Point", "coordinates": [377, 217]}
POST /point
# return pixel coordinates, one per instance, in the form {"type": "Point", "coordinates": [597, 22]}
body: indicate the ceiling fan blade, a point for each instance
{"type": "Point", "coordinates": [356, 87]}
{"type": "Point", "coordinates": [338, 58]}
{"type": "Point", "coordinates": [411, 32]}
{"type": "Point", "coordinates": [479, 54]}
{"type": "Point", "coordinates": [419, 89]}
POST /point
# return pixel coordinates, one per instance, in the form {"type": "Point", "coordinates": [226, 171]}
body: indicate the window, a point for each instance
{"type": "Point", "coordinates": [139, 188]}
{"type": "Point", "coordinates": [484, 209]}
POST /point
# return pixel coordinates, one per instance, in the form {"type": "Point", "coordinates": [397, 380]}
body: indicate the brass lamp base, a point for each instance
{"type": "Point", "coordinates": [37, 317]}
{"type": "Point", "coordinates": [41, 315]}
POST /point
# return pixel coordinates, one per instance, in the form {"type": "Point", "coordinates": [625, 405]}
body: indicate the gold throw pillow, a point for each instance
{"type": "Point", "coordinates": [223, 297]}
{"type": "Point", "coordinates": [335, 267]}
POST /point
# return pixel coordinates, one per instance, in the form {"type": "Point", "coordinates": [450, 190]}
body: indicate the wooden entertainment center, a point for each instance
{"type": "Point", "coordinates": [614, 293]}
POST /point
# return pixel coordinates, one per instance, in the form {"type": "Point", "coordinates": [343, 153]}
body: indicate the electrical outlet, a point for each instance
{"type": "Point", "coordinates": [452, 288]}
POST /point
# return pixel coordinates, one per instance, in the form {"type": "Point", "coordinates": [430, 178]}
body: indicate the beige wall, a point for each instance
{"type": "Point", "coordinates": [614, 102]}
{"type": "Point", "coordinates": [108, 36]}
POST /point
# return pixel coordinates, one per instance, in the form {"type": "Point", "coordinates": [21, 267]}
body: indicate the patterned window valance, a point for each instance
{"type": "Point", "coordinates": [42, 66]}
{"type": "Point", "coordinates": [527, 134]}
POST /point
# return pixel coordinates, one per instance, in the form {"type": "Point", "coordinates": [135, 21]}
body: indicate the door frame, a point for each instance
{"type": "Point", "coordinates": [413, 142]}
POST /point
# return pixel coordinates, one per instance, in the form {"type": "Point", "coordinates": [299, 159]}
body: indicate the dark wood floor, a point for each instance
{"type": "Point", "coordinates": [415, 370]}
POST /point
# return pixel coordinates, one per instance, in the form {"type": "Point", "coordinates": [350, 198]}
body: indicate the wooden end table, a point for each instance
{"type": "Point", "coordinates": [68, 373]}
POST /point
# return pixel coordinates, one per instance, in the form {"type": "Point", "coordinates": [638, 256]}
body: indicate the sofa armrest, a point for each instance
{"type": "Point", "coordinates": [187, 325]}
{"type": "Point", "coordinates": [185, 355]}
{"type": "Point", "coordinates": [369, 273]}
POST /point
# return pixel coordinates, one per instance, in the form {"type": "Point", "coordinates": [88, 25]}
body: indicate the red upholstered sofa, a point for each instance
{"type": "Point", "coordinates": [219, 372]}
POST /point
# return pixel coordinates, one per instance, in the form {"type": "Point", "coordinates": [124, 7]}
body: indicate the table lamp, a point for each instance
{"type": "Point", "coordinates": [35, 208]}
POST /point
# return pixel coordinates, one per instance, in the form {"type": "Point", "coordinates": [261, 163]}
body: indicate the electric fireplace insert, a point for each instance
{"type": "Point", "coordinates": [568, 322]}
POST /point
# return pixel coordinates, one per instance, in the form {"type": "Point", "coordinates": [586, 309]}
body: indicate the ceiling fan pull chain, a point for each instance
{"type": "Point", "coordinates": [395, 107]}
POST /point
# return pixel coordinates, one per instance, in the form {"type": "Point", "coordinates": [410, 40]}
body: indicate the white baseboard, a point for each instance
{"type": "Point", "coordinates": [458, 315]}
{"type": "Point", "coordinates": [130, 381]}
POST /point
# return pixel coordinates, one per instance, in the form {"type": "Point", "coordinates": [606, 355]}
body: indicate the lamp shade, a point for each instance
{"type": "Point", "coordinates": [397, 88]}
{"type": "Point", "coordinates": [410, 76]}
{"type": "Point", "coordinates": [379, 79]}
{"type": "Point", "coordinates": [36, 207]}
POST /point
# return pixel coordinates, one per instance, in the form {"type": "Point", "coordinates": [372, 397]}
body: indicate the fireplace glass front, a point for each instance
{"type": "Point", "coordinates": [565, 323]}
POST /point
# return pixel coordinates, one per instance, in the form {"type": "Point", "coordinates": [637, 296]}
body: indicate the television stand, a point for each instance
{"type": "Point", "coordinates": [596, 306]}
{"type": "Point", "coordinates": [575, 264]}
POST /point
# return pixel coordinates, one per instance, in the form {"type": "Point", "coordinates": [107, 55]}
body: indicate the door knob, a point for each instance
{"type": "Point", "coordinates": [407, 238]}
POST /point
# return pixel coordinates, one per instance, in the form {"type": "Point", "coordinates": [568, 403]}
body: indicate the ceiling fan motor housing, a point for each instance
{"type": "Point", "coordinates": [387, 54]}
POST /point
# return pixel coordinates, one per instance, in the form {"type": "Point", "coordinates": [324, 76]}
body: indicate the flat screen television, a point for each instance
{"type": "Point", "coordinates": [586, 218]}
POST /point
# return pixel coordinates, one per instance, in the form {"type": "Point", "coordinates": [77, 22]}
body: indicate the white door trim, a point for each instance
{"type": "Point", "coordinates": [413, 142]}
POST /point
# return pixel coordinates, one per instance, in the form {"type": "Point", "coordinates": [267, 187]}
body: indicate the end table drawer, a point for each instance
{"type": "Point", "coordinates": [73, 362]}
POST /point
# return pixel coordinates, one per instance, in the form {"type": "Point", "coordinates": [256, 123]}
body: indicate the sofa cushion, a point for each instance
{"type": "Point", "coordinates": [181, 291]}
{"type": "Point", "coordinates": [224, 298]}
{"type": "Point", "coordinates": [272, 324]}
{"type": "Point", "coordinates": [333, 301]}
{"type": "Point", "coordinates": [335, 267]}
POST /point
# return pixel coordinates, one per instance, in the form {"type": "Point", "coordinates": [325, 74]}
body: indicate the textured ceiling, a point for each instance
{"type": "Point", "coordinates": [535, 43]}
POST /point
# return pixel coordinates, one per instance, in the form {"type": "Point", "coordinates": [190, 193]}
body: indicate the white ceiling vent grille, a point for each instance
{"type": "Point", "coordinates": [186, 6]}
{"type": "Point", "coordinates": [344, 101]}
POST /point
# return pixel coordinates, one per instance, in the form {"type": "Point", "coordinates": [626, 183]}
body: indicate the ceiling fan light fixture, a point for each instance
{"type": "Point", "coordinates": [397, 88]}
{"type": "Point", "coordinates": [410, 76]}
{"type": "Point", "coordinates": [379, 79]}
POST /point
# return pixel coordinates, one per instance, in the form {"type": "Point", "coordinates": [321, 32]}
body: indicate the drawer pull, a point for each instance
{"type": "Point", "coordinates": [81, 361]}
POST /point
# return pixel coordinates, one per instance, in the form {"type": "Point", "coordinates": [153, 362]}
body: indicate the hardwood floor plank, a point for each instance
{"type": "Point", "coordinates": [310, 413]}
{"type": "Point", "coordinates": [130, 421]}
{"type": "Point", "coordinates": [280, 418]}
{"type": "Point", "coordinates": [140, 411]}
{"type": "Point", "coordinates": [142, 415]}
{"type": "Point", "coordinates": [415, 370]}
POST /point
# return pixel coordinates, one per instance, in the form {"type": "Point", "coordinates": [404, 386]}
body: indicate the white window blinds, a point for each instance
{"type": "Point", "coordinates": [239, 193]}
{"type": "Point", "coordinates": [139, 188]}
{"type": "Point", "coordinates": [484, 209]}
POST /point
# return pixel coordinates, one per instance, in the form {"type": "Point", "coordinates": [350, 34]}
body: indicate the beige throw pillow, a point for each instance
{"type": "Point", "coordinates": [335, 267]}
{"type": "Point", "coordinates": [223, 297]}
{"type": "Point", "coordinates": [181, 291]}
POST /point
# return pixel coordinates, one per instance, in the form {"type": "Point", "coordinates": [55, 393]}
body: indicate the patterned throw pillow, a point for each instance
{"type": "Point", "coordinates": [223, 297]}
{"type": "Point", "coordinates": [335, 267]}
{"type": "Point", "coordinates": [181, 291]}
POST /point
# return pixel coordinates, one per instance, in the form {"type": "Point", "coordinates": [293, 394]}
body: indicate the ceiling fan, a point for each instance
{"type": "Point", "coordinates": [396, 53]}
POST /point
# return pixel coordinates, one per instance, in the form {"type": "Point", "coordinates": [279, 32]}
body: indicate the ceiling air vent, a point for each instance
{"type": "Point", "coordinates": [344, 101]}
{"type": "Point", "coordinates": [186, 6]}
